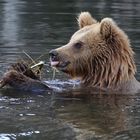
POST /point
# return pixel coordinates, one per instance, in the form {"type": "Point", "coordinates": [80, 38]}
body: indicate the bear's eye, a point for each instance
{"type": "Point", "coordinates": [78, 45]}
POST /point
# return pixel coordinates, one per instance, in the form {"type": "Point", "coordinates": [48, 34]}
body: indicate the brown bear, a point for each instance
{"type": "Point", "coordinates": [100, 54]}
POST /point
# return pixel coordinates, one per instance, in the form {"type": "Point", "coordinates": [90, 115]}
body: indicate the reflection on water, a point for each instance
{"type": "Point", "coordinates": [10, 23]}
{"type": "Point", "coordinates": [36, 27]}
{"type": "Point", "coordinates": [102, 115]}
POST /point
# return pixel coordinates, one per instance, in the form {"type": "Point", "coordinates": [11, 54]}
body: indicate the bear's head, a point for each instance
{"type": "Point", "coordinates": [99, 53]}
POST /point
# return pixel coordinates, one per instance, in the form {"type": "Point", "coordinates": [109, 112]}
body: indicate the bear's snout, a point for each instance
{"type": "Point", "coordinates": [53, 55]}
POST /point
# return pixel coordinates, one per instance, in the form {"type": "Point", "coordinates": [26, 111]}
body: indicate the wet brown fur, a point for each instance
{"type": "Point", "coordinates": [21, 76]}
{"type": "Point", "coordinates": [105, 60]}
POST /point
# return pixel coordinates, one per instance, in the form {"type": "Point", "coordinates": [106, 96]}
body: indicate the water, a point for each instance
{"type": "Point", "coordinates": [36, 26]}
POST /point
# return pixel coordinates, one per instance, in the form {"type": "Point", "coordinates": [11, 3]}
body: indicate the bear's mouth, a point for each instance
{"type": "Point", "coordinates": [61, 65]}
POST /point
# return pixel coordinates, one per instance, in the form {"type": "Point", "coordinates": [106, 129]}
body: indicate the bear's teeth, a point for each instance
{"type": "Point", "coordinates": [54, 63]}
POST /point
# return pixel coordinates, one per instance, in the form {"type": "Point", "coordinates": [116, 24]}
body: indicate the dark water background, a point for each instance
{"type": "Point", "coordinates": [37, 26]}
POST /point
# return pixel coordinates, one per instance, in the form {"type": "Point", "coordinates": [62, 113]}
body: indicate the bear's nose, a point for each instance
{"type": "Point", "coordinates": [53, 54]}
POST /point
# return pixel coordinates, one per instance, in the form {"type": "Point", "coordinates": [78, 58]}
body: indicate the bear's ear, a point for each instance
{"type": "Point", "coordinates": [107, 27]}
{"type": "Point", "coordinates": [85, 19]}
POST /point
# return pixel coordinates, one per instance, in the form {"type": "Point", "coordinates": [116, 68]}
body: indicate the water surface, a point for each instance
{"type": "Point", "coordinates": [37, 26]}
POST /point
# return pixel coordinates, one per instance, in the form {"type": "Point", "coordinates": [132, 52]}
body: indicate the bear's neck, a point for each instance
{"type": "Point", "coordinates": [109, 73]}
